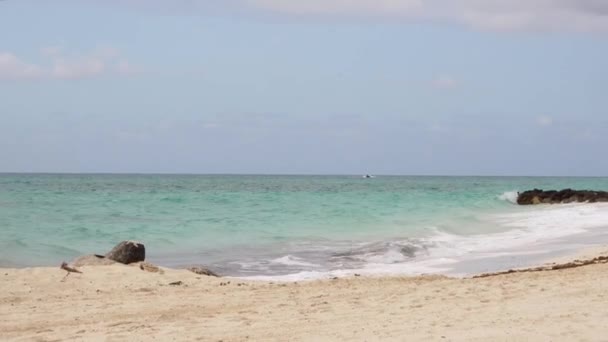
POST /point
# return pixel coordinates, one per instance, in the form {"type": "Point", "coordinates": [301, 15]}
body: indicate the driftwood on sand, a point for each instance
{"type": "Point", "coordinates": [202, 271]}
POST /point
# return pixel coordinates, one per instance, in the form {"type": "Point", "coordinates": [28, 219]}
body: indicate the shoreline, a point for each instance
{"type": "Point", "coordinates": [583, 245]}
{"type": "Point", "coordinates": [520, 238]}
{"type": "Point", "coordinates": [122, 302]}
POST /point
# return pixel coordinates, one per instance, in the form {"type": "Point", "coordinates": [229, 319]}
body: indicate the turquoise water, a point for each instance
{"type": "Point", "coordinates": [283, 223]}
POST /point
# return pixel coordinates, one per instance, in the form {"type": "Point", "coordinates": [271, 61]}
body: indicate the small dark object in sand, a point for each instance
{"type": "Point", "coordinates": [357, 275]}
{"type": "Point", "coordinates": [146, 266]}
{"type": "Point", "coordinates": [64, 266]}
{"type": "Point", "coordinates": [202, 271]}
{"type": "Point", "coordinates": [177, 283]}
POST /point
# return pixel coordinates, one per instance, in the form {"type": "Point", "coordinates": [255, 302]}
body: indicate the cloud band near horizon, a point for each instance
{"type": "Point", "coordinates": [58, 65]}
{"type": "Point", "coordinates": [496, 15]}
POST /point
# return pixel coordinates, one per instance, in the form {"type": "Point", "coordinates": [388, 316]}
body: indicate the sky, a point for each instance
{"type": "Point", "coordinates": [411, 87]}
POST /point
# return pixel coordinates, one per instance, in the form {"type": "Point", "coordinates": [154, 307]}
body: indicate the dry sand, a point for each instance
{"type": "Point", "coordinates": [125, 303]}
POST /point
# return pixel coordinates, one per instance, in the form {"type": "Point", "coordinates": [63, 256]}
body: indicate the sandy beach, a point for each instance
{"type": "Point", "coordinates": [303, 170]}
{"type": "Point", "coordinates": [121, 302]}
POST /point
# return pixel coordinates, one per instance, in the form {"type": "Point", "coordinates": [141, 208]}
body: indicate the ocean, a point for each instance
{"type": "Point", "coordinates": [296, 227]}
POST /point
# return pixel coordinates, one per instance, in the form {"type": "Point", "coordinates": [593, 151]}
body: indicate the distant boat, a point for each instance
{"type": "Point", "coordinates": [369, 176]}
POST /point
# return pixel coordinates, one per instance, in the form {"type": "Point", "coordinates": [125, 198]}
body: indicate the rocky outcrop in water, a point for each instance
{"type": "Point", "coordinates": [538, 196]}
{"type": "Point", "coordinates": [127, 252]}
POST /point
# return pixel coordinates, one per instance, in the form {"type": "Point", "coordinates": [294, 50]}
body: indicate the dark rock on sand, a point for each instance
{"type": "Point", "coordinates": [538, 196]}
{"type": "Point", "coordinates": [146, 266]}
{"type": "Point", "coordinates": [202, 271]}
{"type": "Point", "coordinates": [92, 260]}
{"type": "Point", "coordinates": [127, 252]}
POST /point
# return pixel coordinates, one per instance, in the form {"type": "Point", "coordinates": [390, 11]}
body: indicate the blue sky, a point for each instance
{"type": "Point", "coordinates": [266, 86]}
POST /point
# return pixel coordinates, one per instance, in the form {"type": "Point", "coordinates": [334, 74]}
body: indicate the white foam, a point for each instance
{"type": "Point", "coordinates": [509, 196]}
{"type": "Point", "coordinates": [370, 270]}
{"type": "Point", "coordinates": [300, 276]}
{"type": "Point", "coordinates": [532, 226]}
{"type": "Point", "coordinates": [290, 260]}
{"type": "Point", "coordinates": [557, 220]}
{"type": "Point", "coordinates": [251, 265]}
{"type": "Point", "coordinates": [526, 232]}
{"type": "Point", "coordinates": [533, 230]}
{"type": "Point", "coordinates": [391, 256]}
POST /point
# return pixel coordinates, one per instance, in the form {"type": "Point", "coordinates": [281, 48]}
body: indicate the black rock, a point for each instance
{"type": "Point", "coordinates": [538, 196]}
{"type": "Point", "coordinates": [128, 252]}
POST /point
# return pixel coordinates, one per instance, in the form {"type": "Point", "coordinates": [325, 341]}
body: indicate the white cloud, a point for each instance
{"type": "Point", "coordinates": [11, 67]}
{"type": "Point", "coordinates": [59, 65]}
{"type": "Point", "coordinates": [554, 15]}
{"type": "Point", "coordinates": [503, 15]}
{"type": "Point", "coordinates": [544, 121]}
{"type": "Point", "coordinates": [77, 69]}
{"type": "Point", "coordinates": [444, 82]}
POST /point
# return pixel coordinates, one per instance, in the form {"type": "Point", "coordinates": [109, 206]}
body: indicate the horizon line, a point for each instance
{"type": "Point", "coordinates": [101, 173]}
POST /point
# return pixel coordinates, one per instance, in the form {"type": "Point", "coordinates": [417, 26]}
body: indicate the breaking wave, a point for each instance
{"type": "Point", "coordinates": [509, 196]}
{"type": "Point", "coordinates": [523, 233]}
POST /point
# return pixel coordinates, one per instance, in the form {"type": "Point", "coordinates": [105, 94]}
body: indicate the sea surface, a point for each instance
{"type": "Point", "coordinates": [295, 227]}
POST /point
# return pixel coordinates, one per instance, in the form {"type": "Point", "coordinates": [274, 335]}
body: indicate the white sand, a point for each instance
{"type": "Point", "coordinates": [124, 303]}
